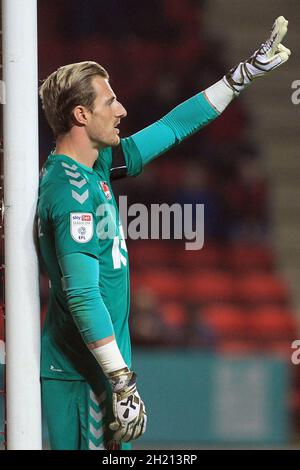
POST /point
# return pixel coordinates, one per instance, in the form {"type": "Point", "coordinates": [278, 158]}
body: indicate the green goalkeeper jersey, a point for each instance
{"type": "Point", "coordinates": [78, 214]}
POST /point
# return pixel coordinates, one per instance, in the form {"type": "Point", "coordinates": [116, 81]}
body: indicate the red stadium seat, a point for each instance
{"type": "Point", "coordinates": [226, 321]}
{"type": "Point", "coordinates": [149, 253]}
{"type": "Point", "coordinates": [261, 287]}
{"type": "Point", "coordinates": [166, 284]}
{"type": "Point", "coordinates": [273, 323]}
{"type": "Point", "coordinates": [245, 257]}
{"type": "Point", "coordinates": [173, 314]}
{"type": "Point", "coordinates": [211, 286]}
{"type": "Point", "coordinates": [209, 257]}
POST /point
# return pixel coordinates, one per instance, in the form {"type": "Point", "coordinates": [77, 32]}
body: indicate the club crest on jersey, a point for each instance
{"type": "Point", "coordinates": [105, 188]}
{"type": "Point", "coordinates": [81, 226]}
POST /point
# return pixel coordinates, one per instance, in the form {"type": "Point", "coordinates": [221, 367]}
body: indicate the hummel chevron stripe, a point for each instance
{"type": "Point", "coordinates": [73, 167]}
{"type": "Point", "coordinates": [97, 433]}
{"type": "Point", "coordinates": [78, 184]}
{"type": "Point", "coordinates": [93, 447]}
{"type": "Point", "coordinates": [72, 174]}
{"type": "Point", "coordinates": [96, 416]}
{"type": "Point", "coordinates": [81, 198]}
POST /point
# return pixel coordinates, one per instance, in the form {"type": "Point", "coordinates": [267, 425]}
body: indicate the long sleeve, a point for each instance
{"type": "Point", "coordinates": [180, 123]}
{"type": "Point", "coordinates": [80, 281]}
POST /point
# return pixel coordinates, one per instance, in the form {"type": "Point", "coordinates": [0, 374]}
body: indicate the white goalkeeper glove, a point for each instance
{"type": "Point", "coordinates": [268, 57]}
{"type": "Point", "coordinates": [128, 408]}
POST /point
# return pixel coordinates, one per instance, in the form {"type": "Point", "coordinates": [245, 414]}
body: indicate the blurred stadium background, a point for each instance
{"type": "Point", "coordinates": [212, 329]}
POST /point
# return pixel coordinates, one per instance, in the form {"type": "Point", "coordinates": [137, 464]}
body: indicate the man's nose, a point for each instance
{"type": "Point", "coordinates": [121, 111]}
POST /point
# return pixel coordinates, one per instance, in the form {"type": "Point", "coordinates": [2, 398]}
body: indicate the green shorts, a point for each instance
{"type": "Point", "coordinates": [76, 417]}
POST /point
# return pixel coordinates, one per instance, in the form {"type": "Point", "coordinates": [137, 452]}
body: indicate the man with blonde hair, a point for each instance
{"type": "Point", "coordinates": [89, 391]}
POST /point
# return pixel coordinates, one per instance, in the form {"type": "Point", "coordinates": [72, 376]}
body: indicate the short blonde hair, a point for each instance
{"type": "Point", "coordinates": [68, 87]}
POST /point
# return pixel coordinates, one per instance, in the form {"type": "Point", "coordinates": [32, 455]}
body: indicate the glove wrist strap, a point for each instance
{"type": "Point", "coordinates": [122, 381]}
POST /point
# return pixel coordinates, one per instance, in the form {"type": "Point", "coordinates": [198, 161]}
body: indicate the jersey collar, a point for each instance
{"type": "Point", "coordinates": [65, 158]}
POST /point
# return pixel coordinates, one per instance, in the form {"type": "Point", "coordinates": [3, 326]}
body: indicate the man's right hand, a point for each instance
{"type": "Point", "coordinates": [128, 408]}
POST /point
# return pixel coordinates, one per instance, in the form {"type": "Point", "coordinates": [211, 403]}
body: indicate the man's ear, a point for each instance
{"type": "Point", "coordinates": [80, 115]}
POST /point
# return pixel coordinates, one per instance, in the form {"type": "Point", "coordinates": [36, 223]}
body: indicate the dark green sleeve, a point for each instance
{"type": "Point", "coordinates": [183, 121]}
{"type": "Point", "coordinates": [81, 286]}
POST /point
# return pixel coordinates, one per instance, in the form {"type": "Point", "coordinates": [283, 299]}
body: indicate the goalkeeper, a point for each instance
{"type": "Point", "coordinates": [89, 390]}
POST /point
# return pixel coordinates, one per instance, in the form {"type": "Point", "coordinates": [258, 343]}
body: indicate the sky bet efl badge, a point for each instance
{"type": "Point", "coordinates": [81, 225]}
{"type": "Point", "coordinates": [105, 189]}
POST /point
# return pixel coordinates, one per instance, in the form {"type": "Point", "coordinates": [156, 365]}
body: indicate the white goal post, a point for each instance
{"type": "Point", "coordinates": [21, 168]}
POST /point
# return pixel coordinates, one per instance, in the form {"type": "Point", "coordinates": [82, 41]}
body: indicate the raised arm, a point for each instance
{"type": "Point", "coordinates": [198, 111]}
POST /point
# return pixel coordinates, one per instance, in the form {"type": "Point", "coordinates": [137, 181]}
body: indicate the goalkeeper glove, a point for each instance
{"type": "Point", "coordinates": [128, 408]}
{"type": "Point", "coordinates": [269, 56]}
